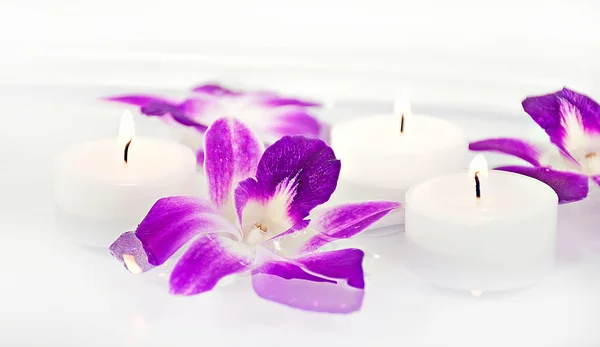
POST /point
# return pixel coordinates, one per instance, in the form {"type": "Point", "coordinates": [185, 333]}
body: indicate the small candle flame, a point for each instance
{"type": "Point", "coordinates": [402, 109]}
{"type": "Point", "coordinates": [127, 128]}
{"type": "Point", "coordinates": [476, 293]}
{"type": "Point", "coordinates": [478, 166]}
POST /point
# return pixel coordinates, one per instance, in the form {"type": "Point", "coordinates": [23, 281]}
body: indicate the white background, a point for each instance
{"type": "Point", "coordinates": [56, 57]}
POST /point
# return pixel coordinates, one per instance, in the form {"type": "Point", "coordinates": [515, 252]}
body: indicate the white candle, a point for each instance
{"type": "Point", "coordinates": [382, 156]}
{"type": "Point", "coordinates": [501, 240]}
{"type": "Point", "coordinates": [94, 185]}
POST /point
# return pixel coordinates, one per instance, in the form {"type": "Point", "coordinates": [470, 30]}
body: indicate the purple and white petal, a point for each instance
{"type": "Point", "coordinates": [129, 251]}
{"type": "Point", "coordinates": [174, 221]}
{"type": "Point", "coordinates": [214, 89]}
{"type": "Point", "coordinates": [596, 179]}
{"type": "Point", "coordinates": [330, 282]}
{"type": "Point", "coordinates": [515, 147]}
{"type": "Point", "coordinates": [275, 101]}
{"type": "Point", "coordinates": [294, 121]}
{"type": "Point", "coordinates": [231, 154]}
{"type": "Point", "coordinates": [209, 259]}
{"type": "Point", "coordinates": [569, 186]}
{"type": "Point", "coordinates": [345, 221]}
{"type": "Point", "coordinates": [140, 100]}
{"type": "Point", "coordinates": [294, 175]}
{"type": "Point", "coordinates": [572, 121]}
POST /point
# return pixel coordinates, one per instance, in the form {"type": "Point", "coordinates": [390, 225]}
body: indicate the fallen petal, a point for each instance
{"type": "Point", "coordinates": [345, 221]}
{"type": "Point", "coordinates": [139, 99]}
{"type": "Point", "coordinates": [569, 186]}
{"type": "Point", "coordinates": [295, 122]}
{"type": "Point", "coordinates": [518, 148]}
{"type": "Point", "coordinates": [209, 259]}
{"type": "Point", "coordinates": [231, 153]}
{"type": "Point", "coordinates": [568, 117]}
{"type": "Point", "coordinates": [174, 221]}
{"type": "Point", "coordinates": [214, 90]}
{"type": "Point", "coordinates": [279, 101]}
{"type": "Point", "coordinates": [324, 282]}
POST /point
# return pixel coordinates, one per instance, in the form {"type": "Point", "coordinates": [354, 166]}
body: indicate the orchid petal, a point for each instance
{"type": "Point", "coordinates": [214, 90]}
{"type": "Point", "coordinates": [139, 100]}
{"type": "Point", "coordinates": [324, 282]}
{"type": "Point", "coordinates": [294, 175]}
{"type": "Point", "coordinates": [174, 221]}
{"type": "Point", "coordinates": [596, 179]}
{"type": "Point", "coordinates": [207, 260]}
{"type": "Point", "coordinates": [231, 153]}
{"type": "Point", "coordinates": [569, 118]}
{"type": "Point", "coordinates": [518, 148]}
{"type": "Point", "coordinates": [276, 101]}
{"type": "Point", "coordinates": [345, 221]}
{"type": "Point", "coordinates": [569, 186]}
{"type": "Point", "coordinates": [295, 122]}
{"type": "Point", "coordinates": [129, 251]}
{"type": "Point", "coordinates": [200, 157]}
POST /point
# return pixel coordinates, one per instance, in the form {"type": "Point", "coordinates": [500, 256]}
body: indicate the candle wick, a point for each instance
{"type": "Point", "coordinates": [477, 186]}
{"type": "Point", "coordinates": [402, 123]}
{"type": "Point", "coordinates": [126, 152]}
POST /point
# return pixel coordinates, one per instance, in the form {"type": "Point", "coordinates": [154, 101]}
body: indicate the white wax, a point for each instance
{"type": "Point", "coordinates": [374, 153]}
{"type": "Point", "coordinates": [92, 182]}
{"type": "Point", "coordinates": [501, 241]}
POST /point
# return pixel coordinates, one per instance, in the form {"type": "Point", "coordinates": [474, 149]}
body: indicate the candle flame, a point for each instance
{"type": "Point", "coordinates": [402, 109]}
{"type": "Point", "coordinates": [478, 167]}
{"type": "Point", "coordinates": [476, 293]}
{"type": "Point", "coordinates": [127, 128]}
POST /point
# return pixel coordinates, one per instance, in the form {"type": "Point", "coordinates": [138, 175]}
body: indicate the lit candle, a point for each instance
{"type": "Point", "coordinates": [109, 184]}
{"type": "Point", "coordinates": [481, 231]}
{"type": "Point", "coordinates": [383, 155]}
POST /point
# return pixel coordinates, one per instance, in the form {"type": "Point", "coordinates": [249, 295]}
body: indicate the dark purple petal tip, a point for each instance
{"type": "Point", "coordinates": [307, 162]}
{"type": "Point", "coordinates": [569, 186]}
{"type": "Point", "coordinates": [129, 251]}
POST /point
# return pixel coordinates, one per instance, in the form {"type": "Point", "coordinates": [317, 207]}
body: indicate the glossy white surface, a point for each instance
{"type": "Point", "coordinates": [54, 293]}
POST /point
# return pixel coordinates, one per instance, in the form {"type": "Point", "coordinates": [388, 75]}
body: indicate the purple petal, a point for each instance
{"type": "Point", "coordinates": [231, 154]}
{"type": "Point", "coordinates": [596, 179]}
{"type": "Point", "coordinates": [567, 116]}
{"type": "Point", "coordinates": [347, 220]}
{"type": "Point", "coordinates": [200, 157]}
{"type": "Point", "coordinates": [213, 89]}
{"type": "Point", "coordinates": [569, 186]}
{"type": "Point", "coordinates": [294, 175]}
{"type": "Point", "coordinates": [174, 221]}
{"type": "Point", "coordinates": [139, 100]}
{"type": "Point", "coordinates": [519, 148]}
{"type": "Point", "coordinates": [279, 101]}
{"type": "Point", "coordinates": [295, 122]}
{"type": "Point", "coordinates": [324, 282]}
{"type": "Point", "coordinates": [209, 259]}
{"type": "Point", "coordinates": [129, 251]}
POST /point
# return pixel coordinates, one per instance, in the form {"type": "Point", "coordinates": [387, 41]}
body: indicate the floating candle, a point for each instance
{"type": "Point", "coordinates": [492, 234]}
{"type": "Point", "coordinates": [118, 179]}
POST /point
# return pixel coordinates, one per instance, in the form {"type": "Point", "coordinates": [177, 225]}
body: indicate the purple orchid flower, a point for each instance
{"type": "Point", "coordinates": [572, 121]}
{"type": "Point", "coordinates": [255, 220]}
{"type": "Point", "coordinates": [271, 115]}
